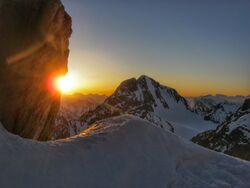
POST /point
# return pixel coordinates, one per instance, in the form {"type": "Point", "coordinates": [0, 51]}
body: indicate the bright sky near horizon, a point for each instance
{"type": "Point", "coordinates": [196, 47]}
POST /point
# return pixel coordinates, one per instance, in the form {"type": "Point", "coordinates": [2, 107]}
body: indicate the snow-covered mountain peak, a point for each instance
{"type": "Point", "coordinates": [148, 99]}
{"type": "Point", "coordinates": [147, 90]}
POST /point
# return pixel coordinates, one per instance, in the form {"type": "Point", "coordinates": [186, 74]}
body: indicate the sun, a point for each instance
{"type": "Point", "coordinates": [66, 84]}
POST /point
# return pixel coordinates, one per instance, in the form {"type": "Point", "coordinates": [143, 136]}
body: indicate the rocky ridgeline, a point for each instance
{"type": "Point", "coordinates": [216, 108]}
{"type": "Point", "coordinates": [231, 137]}
{"type": "Point", "coordinates": [34, 40]}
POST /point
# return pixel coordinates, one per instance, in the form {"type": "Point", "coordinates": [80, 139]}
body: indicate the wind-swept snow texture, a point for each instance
{"type": "Point", "coordinates": [122, 152]}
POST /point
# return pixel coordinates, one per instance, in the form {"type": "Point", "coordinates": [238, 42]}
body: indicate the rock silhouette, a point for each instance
{"type": "Point", "coordinates": [34, 40]}
{"type": "Point", "coordinates": [246, 104]}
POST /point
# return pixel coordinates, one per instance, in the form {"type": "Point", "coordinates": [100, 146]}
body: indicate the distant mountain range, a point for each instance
{"type": "Point", "coordinates": [193, 118]}
{"type": "Point", "coordinates": [215, 108]}
{"type": "Point", "coordinates": [137, 137]}
{"type": "Point", "coordinates": [148, 99]}
{"type": "Point", "coordinates": [72, 108]}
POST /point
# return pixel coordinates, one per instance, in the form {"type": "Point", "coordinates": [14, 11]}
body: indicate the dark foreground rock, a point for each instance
{"type": "Point", "coordinates": [34, 39]}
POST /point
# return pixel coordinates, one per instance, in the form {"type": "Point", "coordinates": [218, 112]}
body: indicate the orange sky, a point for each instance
{"type": "Point", "coordinates": [195, 47]}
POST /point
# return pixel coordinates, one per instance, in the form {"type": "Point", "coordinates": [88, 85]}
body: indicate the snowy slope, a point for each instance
{"type": "Point", "coordinates": [119, 152]}
{"type": "Point", "coordinates": [146, 98]}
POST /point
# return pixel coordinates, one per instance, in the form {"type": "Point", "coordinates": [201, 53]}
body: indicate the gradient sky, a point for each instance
{"type": "Point", "coordinates": [197, 47]}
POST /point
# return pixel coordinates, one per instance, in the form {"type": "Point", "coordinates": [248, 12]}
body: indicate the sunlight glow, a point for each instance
{"type": "Point", "coordinates": [66, 84]}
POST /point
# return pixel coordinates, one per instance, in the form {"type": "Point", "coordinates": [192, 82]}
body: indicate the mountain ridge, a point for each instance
{"type": "Point", "coordinates": [215, 108]}
{"type": "Point", "coordinates": [148, 99]}
{"type": "Point", "coordinates": [232, 136]}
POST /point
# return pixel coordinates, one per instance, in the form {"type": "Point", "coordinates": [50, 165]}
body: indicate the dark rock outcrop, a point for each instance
{"type": "Point", "coordinates": [34, 39]}
{"type": "Point", "coordinates": [246, 104]}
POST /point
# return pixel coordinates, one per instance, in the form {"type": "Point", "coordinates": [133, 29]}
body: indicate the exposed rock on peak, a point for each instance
{"type": "Point", "coordinates": [151, 90]}
{"type": "Point", "coordinates": [146, 98]}
{"type": "Point", "coordinates": [145, 77]}
{"type": "Point", "coordinates": [34, 41]}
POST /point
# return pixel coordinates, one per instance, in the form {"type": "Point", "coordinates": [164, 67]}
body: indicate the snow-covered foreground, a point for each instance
{"type": "Point", "coordinates": [120, 152]}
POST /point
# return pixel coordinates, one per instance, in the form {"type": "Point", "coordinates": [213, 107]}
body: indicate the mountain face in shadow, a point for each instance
{"type": "Point", "coordinates": [232, 137]}
{"type": "Point", "coordinates": [34, 40]}
{"type": "Point", "coordinates": [71, 109]}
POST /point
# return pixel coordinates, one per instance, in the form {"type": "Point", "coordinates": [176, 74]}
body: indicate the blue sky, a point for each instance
{"type": "Point", "coordinates": [197, 47]}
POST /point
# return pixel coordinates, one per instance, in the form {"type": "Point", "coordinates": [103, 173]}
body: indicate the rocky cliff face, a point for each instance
{"type": "Point", "coordinates": [34, 39]}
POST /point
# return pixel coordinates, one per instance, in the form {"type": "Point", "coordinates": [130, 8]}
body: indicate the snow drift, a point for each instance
{"type": "Point", "coordinates": [119, 152]}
